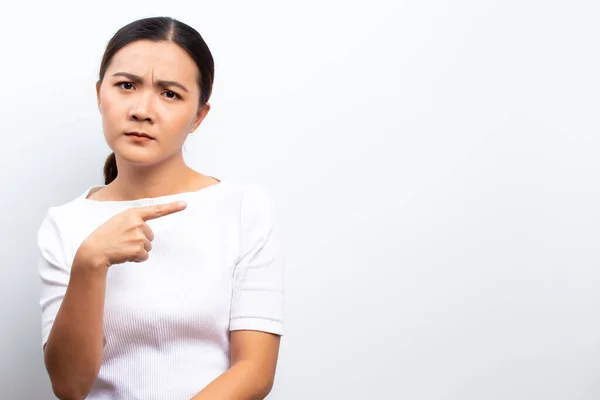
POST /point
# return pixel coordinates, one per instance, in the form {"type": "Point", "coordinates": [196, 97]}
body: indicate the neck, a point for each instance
{"type": "Point", "coordinates": [142, 181]}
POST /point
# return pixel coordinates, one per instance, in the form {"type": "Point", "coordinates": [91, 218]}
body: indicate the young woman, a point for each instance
{"type": "Point", "coordinates": [164, 283]}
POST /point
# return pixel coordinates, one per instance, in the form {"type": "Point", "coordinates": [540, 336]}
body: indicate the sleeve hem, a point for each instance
{"type": "Point", "coordinates": [45, 336]}
{"type": "Point", "coordinates": [257, 324]}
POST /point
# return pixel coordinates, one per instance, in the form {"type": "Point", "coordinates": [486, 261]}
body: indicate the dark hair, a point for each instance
{"type": "Point", "coordinates": [161, 29]}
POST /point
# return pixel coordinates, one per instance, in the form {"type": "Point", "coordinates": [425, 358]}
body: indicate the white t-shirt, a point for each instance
{"type": "Point", "coordinates": [214, 267]}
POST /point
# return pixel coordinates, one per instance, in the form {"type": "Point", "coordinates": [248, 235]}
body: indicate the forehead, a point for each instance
{"type": "Point", "coordinates": [164, 60]}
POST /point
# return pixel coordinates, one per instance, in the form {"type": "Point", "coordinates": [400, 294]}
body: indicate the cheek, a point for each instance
{"type": "Point", "coordinates": [110, 125]}
{"type": "Point", "coordinates": [184, 121]}
{"type": "Point", "coordinates": [190, 117]}
{"type": "Point", "coordinates": [177, 120]}
{"type": "Point", "coordinates": [108, 108]}
{"type": "Point", "coordinates": [110, 114]}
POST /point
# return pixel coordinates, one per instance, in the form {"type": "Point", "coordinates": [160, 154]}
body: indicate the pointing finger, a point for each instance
{"type": "Point", "coordinates": [160, 210]}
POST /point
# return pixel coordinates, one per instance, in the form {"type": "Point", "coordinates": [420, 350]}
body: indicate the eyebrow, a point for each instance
{"type": "Point", "coordinates": [138, 79]}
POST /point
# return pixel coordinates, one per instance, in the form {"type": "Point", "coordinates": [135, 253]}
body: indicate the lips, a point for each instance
{"type": "Point", "coordinates": [139, 134]}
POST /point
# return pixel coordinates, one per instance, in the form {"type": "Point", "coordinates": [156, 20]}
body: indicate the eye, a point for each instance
{"type": "Point", "coordinates": [125, 85]}
{"type": "Point", "coordinates": [172, 95]}
{"type": "Point", "coordinates": [128, 86]}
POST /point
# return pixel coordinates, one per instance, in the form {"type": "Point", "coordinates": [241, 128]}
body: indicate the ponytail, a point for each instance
{"type": "Point", "coordinates": [110, 169]}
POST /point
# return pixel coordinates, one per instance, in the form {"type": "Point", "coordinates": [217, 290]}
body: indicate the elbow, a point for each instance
{"type": "Point", "coordinates": [258, 380]}
{"type": "Point", "coordinates": [264, 389]}
{"type": "Point", "coordinates": [70, 389]}
{"type": "Point", "coordinates": [67, 392]}
{"type": "Point", "coordinates": [264, 379]}
{"type": "Point", "coordinates": [266, 392]}
{"type": "Point", "coordinates": [65, 384]}
{"type": "Point", "coordinates": [66, 389]}
{"type": "Point", "coordinates": [65, 395]}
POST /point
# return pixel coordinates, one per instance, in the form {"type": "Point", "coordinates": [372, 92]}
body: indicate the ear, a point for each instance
{"type": "Point", "coordinates": [200, 115]}
{"type": "Point", "coordinates": [98, 96]}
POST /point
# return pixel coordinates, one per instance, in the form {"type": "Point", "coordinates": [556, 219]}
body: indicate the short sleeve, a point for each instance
{"type": "Point", "coordinates": [53, 270]}
{"type": "Point", "coordinates": [257, 298]}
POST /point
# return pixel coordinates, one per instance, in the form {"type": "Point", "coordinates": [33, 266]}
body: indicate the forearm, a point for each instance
{"type": "Point", "coordinates": [243, 381]}
{"type": "Point", "coordinates": [73, 353]}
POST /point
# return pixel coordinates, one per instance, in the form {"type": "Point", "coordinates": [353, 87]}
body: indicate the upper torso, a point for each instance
{"type": "Point", "coordinates": [167, 319]}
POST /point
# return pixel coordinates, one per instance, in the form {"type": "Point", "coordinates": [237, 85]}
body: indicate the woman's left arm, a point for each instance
{"type": "Point", "coordinates": [253, 362]}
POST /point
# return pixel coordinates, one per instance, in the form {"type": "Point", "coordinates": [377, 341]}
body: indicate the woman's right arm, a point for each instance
{"type": "Point", "coordinates": [73, 298]}
{"type": "Point", "coordinates": [73, 352]}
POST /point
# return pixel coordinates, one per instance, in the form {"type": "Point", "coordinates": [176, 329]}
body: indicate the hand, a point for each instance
{"type": "Point", "coordinates": [124, 237]}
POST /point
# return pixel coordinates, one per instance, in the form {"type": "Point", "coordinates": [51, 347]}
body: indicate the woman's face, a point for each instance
{"type": "Point", "coordinates": [150, 88]}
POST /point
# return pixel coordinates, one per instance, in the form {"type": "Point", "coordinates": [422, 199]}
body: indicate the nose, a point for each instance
{"type": "Point", "coordinates": [141, 109]}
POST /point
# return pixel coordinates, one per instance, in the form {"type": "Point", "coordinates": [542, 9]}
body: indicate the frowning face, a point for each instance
{"type": "Point", "coordinates": [149, 99]}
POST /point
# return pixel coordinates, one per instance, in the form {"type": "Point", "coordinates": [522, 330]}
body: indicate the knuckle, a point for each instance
{"type": "Point", "coordinates": [140, 255]}
{"type": "Point", "coordinates": [148, 232]}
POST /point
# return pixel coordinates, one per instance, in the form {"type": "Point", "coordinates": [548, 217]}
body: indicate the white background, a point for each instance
{"type": "Point", "coordinates": [434, 164]}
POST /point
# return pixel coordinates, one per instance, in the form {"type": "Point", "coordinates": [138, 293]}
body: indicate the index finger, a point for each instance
{"type": "Point", "coordinates": [160, 210]}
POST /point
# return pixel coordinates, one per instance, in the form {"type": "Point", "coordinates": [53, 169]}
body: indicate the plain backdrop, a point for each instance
{"type": "Point", "coordinates": [434, 166]}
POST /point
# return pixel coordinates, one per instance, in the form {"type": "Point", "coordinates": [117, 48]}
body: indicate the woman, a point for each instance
{"type": "Point", "coordinates": [164, 283]}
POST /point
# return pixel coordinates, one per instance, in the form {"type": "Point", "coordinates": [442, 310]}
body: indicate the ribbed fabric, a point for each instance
{"type": "Point", "coordinates": [214, 267]}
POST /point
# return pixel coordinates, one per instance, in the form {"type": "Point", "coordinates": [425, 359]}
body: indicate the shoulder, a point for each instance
{"type": "Point", "coordinates": [255, 198]}
{"type": "Point", "coordinates": [249, 194]}
{"type": "Point", "coordinates": [57, 216]}
{"type": "Point", "coordinates": [255, 203]}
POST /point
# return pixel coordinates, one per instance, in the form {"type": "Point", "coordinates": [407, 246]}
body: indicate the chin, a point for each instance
{"type": "Point", "coordinates": [138, 156]}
